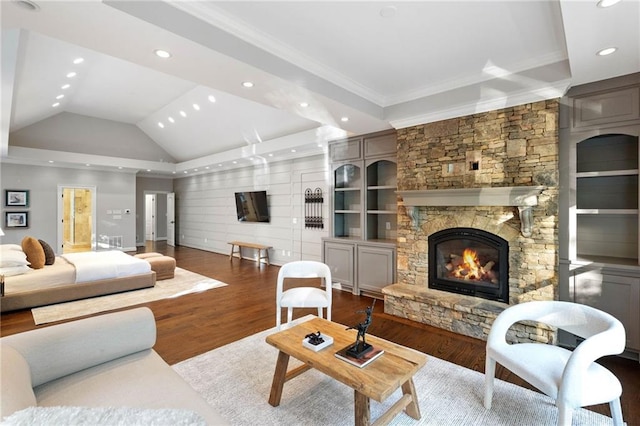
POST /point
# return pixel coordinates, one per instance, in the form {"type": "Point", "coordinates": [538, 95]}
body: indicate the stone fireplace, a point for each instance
{"type": "Point", "coordinates": [494, 173]}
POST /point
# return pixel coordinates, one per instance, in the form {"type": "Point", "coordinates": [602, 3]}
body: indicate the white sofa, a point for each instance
{"type": "Point", "coordinates": [102, 361]}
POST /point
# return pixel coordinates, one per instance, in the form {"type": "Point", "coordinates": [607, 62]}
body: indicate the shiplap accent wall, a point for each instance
{"type": "Point", "coordinates": [206, 213]}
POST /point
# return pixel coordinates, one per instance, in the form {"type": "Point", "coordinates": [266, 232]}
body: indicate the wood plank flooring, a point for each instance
{"type": "Point", "coordinates": [196, 323]}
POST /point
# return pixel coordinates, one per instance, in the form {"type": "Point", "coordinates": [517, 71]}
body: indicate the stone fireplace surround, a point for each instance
{"type": "Point", "coordinates": [511, 148]}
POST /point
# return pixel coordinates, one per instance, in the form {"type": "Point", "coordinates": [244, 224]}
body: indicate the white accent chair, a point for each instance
{"type": "Point", "coordinates": [572, 378]}
{"type": "Point", "coordinates": [303, 297]}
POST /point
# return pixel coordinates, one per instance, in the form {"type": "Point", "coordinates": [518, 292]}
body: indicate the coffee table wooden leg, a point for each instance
{"type": "Point", "coordinates": [413, 409]}
{"type": "Point", "coordinates": [279, 377]}
{"type": "Point", "coordinates": [362, 409]}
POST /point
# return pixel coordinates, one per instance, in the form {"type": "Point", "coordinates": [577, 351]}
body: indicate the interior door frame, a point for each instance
{"type": "Point", "coordinates": [144, 213]}
{"type": "Point", "coordinates": [94, 221]}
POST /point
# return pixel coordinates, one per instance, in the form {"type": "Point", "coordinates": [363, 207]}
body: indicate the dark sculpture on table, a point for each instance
{"type": "Point", "coordinates": [360, 348]}
{"type": "Point", "coordinates": [315, 338]}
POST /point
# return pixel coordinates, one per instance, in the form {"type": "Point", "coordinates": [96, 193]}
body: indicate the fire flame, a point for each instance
{"type": "Point", "coordinates": [468, 267]}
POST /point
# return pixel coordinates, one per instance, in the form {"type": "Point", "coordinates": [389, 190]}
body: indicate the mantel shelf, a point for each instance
{"type": "Point", "coordinates": [523, 197]}
{"type": "Point", "coordinates": [519, 196]}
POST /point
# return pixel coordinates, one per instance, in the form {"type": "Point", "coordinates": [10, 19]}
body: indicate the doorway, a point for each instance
{"type": "Point", "coordinates": [158, 216]}
{"type": "Point", "coordinates": [77, 218]}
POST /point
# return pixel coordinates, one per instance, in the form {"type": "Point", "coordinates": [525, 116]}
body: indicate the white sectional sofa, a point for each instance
{"type": "Point", "coordinates": [105, 365]}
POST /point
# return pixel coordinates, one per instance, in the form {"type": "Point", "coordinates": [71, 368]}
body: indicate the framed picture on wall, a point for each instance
{"type": "Point", "coordinates": [16, 198]}
{"type": "Point", "coordinates": [16, 220]}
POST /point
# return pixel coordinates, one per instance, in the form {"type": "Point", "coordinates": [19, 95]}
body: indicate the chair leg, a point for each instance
{"type": "Point", "coordinates": [616, 412]}
{"type": "Point", "coordinates": [319, 312]}
{"type": "Point", "coordinates": [329, 313]}
{"type": "Point", "coordinates": [289, 314]}
{"type": "Point", "coordinates": [489, 373]}
{"type": "Point", "coordinates": [278, 317]}
{"type": "Point", "coordinates": [565, 414]}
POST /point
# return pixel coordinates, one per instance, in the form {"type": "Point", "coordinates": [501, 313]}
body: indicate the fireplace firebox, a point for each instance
{"type": "Point", "coordinates": [469, 261]}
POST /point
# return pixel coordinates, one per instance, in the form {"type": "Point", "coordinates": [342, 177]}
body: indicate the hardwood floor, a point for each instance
{"type": "Point", "coordinates": [196, 323]}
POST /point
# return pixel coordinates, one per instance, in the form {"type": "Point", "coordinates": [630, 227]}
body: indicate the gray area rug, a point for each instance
{"type": "Point", "coordinates": [183, 282]}
{"type": "Point", "coordinates": [236, 379]}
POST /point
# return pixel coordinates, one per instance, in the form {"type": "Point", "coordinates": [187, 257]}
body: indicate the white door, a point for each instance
{"type": "Point", "coordinates": [150, 217]}
{"type": "Point", "coordinates": [171, 219]}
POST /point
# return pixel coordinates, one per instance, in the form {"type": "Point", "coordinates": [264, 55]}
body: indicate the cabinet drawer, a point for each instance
{"type": "Point", "coordinates": [604, 108]}
{"type": "Point", "coordinates": [340, 258]}
{"type": "Point", "coordinates": [376, 267]}
{"type": "Point", "coordinates": [345, 150]}
{"type": "Point", "coordinates": [380, 145]}
{"type": "Point", "coordinates": [617, 295]}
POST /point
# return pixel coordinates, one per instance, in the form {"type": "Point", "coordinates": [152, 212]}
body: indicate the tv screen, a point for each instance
{"type": "Point", "coordinates": [251, 206]}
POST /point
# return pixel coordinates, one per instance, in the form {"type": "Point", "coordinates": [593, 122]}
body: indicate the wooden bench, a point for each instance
{"type": "Point", "coordinates": [240, 244]}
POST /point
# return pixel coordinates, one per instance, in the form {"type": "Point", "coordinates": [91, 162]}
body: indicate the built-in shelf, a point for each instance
{"type": "Point", "coordinates": [631, 172]}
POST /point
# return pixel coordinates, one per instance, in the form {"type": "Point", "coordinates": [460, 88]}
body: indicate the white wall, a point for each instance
{"type": "Point", "coordinates": [206, 212]}
{"type": "Point", "coordinates": [114, 191]}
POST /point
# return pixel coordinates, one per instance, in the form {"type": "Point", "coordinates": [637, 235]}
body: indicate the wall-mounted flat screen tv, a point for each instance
{"type": "Point", "coordinates": [251, 206]}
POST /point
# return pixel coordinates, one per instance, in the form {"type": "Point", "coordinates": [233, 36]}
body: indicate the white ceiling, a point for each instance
{"type": "Point", "coordinates": [382, 64]}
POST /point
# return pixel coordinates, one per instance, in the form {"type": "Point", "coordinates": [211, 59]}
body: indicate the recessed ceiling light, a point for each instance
{"type": "Point", "coordinates": [220, 165]}
{"type": "Point", "coordinates": [173, 173]}
{"type": "Point", "coordinates": [161, 125]}
{"type": "Point", "coordinates": [271, 155]}
{"type": "Point", "coordinates": [607, 3]}
{"type": "Point", "coordinates": [27, 5]}
{"type": "Point", "coordinates": [304, 104]}
{"type": "Point", "coordinates": [50, 161]}
{"type": "Point", "coordinates": [344, 119]}
{"type": "Point", "coordinates": [196, 107]}
{"type": "Point", "coordinates": [211, 98]}
{"type": "Point", "coordinates": [77, 61]}
{"type": "Point", "coordinates": [247, 84]}
{"type": "Point", "coordinates": [388, 11]}
{"type": "Point", "coordinates": [195, 170]}
{"type": "Point", "coordinates": [293, 150]}
{"type": "Point", "coordinates": [162, 53]}
{"type": "Point", "coordinates": [182, 113]}
{"type": "Point", "coordinates": [88, 165]}
{"type": "Point", "coordinates": [65, 86]}
{"type": "Point", "coordinates": [59, 96]}
{"type": "Point", "coordinates": [148, 170]}
{"type": "Point", "coordinates": [319, 145]}
{"type": "Point", "coordinates": [171, 120]}
{"type": "Point", "coordinates": [71, 74]}
{"type": "Point", "coordinates": [606, 51]}
{"type": "Point", "coordinates": [235, 162]}
{"type": "Point", "coordinates": [207, 167]}
{"type": "Point", "coordinates": [57, 104]}
{"type": "Point", "coordinates": [119, 167]}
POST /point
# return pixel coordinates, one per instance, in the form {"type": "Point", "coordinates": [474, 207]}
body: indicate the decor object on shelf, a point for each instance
{"type": "Point", "coordinates": [573, 379]}
{"type": "Point", "coordinates": [303, 297]}
{"type": "Point", "coordinates": [16, 198]}
{"type": "Point", "coordinates": [16, 219]}
{"type": "Point", "coordinates": [313, 201]}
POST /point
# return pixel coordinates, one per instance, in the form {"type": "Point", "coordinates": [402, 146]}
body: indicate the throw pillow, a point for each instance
{"type": "Point", "coordinates": [49, 254]}
{"type": "Point", "coordinates": [12, 258]}
{"type": "Point", "coordinates": [33, 250]}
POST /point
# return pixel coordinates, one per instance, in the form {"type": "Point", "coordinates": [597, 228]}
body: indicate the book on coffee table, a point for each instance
{"type": "Point", "coordinates": [359, 362]}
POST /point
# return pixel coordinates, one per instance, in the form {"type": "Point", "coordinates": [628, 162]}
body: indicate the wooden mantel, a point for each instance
{"type": "Point", "coordinates": [522, 197]}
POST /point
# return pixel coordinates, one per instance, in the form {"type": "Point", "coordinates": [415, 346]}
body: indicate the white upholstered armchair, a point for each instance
{"type": "Point", "coordinates": [572, 378]}
{"type": "Point", "coordinates": [303, 297]}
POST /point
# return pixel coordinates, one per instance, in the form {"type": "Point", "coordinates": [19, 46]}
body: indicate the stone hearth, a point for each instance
{"type": "Point", "coordinates": [513, 147]}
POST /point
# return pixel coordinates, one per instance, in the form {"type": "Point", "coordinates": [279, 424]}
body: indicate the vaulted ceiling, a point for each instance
{"type": "Point", "coordinates": [313, 64]}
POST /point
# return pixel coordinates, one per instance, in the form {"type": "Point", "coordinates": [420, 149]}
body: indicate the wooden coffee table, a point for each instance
{"type": "Point", "coordinates": [394, 369]}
